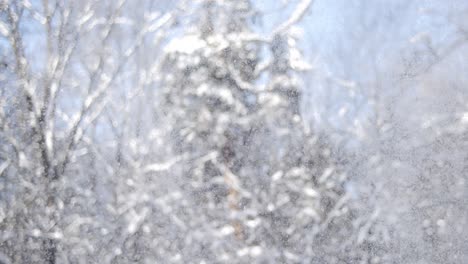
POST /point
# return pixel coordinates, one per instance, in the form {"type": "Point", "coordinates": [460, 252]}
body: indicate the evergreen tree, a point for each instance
{"type": "Point", "coordinates": [262, 185]}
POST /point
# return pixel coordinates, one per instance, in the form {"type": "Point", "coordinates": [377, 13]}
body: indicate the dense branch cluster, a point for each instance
{"type": "Point", "coordinates": [175, 133]}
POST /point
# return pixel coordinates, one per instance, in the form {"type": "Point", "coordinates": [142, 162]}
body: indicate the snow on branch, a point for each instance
{"type": "Point", "coordinates": [295, 17]}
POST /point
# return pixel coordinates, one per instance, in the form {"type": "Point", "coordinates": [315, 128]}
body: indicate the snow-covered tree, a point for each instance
{"type": "Point", "coordinates": [180, 131]}
{"type": "Point", "coordinates": [62, 62]}
{"type": "Point", "coordinates": [263, 186]}
{"type": "Point", "coordinates": [394, 91]}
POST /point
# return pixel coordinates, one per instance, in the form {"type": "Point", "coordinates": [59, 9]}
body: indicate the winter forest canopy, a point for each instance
{"type": "Point", "coordinates": [233, 131]}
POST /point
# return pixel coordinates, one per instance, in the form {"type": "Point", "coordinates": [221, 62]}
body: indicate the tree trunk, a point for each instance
{"type": "Point", "coordinates": [50, 250]}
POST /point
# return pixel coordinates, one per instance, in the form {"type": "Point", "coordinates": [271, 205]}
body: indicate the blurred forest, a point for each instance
{"type": "Point", "coordinates": [233, 131]}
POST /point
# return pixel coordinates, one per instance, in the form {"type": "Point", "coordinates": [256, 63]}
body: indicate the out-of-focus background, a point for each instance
{"type": "Point", "coordinates": [233, 131]}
